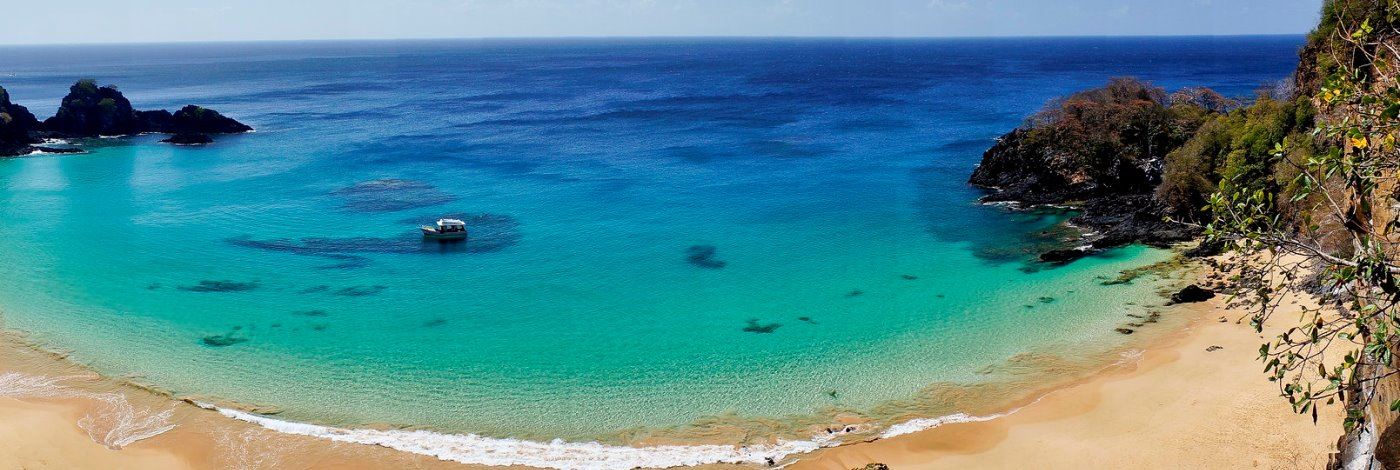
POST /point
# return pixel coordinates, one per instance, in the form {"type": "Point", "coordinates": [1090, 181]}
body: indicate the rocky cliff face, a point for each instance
{"type": "Point", "coordinates": [16, 126]}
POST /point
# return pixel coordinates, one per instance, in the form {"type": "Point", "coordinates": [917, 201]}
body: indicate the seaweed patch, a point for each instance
{"type": "Point", "coordinates": [704, 256]}
{"type": "Point", "coordinates": [223, 340]}
{"type": "Point", "coordinates": [391, 195]}
{"type": "Point", "coordinates": [360, 291]}
{"type": "Point", "coordinates": [753, 326]}
{"type": "Point", "coordinates": [489, 233]}
{"type": "Point", "coordinates": [435, 322]}
{"type": "Point", "coordinates": [221, 286]}
{"type": "Point", "coordinates": [310, 313]}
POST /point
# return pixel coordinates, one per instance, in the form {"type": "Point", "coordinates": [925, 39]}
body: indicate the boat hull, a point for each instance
{"type": "Point", "coordinates": [436, 235]}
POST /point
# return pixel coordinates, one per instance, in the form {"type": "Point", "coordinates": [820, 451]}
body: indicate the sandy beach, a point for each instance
{"type": "Point", "coordinates": [1193, 398]}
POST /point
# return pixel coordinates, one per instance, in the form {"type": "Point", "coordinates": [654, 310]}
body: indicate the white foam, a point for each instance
{"type": "Point", "coordinates": [119, 424]}
{"type": "Point", "coordinates": [115, 424]}
{"type": "Point", "coordinates": [478, 450]}
{"type": "Point", "coordinates": [923, 424]}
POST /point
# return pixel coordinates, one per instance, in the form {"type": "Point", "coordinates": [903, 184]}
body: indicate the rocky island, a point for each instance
{"type": "Point", "coordinates": [90, 110]}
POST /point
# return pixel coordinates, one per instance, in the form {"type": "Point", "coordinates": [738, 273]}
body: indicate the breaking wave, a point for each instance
{"type": "Point", "coordinates": [115, 423]}
{"type": "Point", "coordinates": [559, 454]}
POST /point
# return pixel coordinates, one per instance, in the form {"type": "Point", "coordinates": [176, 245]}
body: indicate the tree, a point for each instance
{"type": "Point", "coordinates": [1337, 216]}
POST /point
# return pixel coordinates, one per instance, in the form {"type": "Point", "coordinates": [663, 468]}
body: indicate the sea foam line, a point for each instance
{"type": "Point", "coordinates": [559, 454]}
{"type": "Point", "coordinates": [478, 450]}
{"type": "Point", "coordinates": [115, 424]}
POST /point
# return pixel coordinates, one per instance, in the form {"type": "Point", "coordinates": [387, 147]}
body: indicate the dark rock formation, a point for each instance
{"type": "Point", "coordinates": [188, 139]}
{"type": "Point", "coordinates": [1206, 248]}
{"type": "Point", "coordinates": [90, 110]}
{"type": "Point", "coordinates": [873, 466]}
{"type": "Point", "coordinates": [1192, 293]}
{"type": "Point", "coordinates": [193, 119]}
{"type": "Point", "coordinates": [1063, 256]}
{"type": "Point", "coordinates": [17, 125]}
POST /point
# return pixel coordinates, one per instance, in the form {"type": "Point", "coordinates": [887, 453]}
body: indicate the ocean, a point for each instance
{"type": "Point", "coordinates": [689, 241]}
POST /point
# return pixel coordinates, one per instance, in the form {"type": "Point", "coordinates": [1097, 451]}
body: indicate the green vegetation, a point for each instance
{"type": "Point", "coordinates": [1237, 148]}
{"type": "Point", "coordinates": [1310, 186]}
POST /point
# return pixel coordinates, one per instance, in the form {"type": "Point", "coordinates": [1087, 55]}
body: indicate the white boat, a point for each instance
{"type": "Point", "coordinates": [446, 229]}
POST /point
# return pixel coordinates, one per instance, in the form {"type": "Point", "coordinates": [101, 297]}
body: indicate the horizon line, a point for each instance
{"type": "Point", "coordinates": [640, 37]}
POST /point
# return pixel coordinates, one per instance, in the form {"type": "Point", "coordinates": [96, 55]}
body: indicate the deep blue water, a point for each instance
{"type": "Point", "coordinates": [828, 176]}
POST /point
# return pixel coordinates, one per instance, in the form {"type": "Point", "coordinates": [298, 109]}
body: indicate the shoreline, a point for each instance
{"type": "Point", "coordinates": [1195, 398]}
{"type": "Point", "coordinates": [204, 437]}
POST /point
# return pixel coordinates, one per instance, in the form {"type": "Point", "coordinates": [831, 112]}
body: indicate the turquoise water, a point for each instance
{"type": "Point", "coordinates": [851, 266]}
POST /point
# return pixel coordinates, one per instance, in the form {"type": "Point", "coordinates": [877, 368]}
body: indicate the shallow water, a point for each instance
{"type": "Point", "coordinates": [663, 231]}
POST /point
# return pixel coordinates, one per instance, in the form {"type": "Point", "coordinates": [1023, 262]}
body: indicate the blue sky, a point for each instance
{"type": "Point", "coordinates": [88, 21]}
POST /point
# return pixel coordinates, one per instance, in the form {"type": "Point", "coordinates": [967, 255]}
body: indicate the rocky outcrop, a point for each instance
{"type": "Point", "coordinates": [1101, 150]}
{"type": "Point", "coordinates": [193, 119]}
{"type": "Point", "coordinates": [90, 111]}
{"type": "Point", "coordinates": [1192, 293]}
{"type": "Point", "coordinates": [188, 139]}
{"type": "Point", "coordinates": [16, 127]}
{"type": "Point", "coordinates": [1021, 167]}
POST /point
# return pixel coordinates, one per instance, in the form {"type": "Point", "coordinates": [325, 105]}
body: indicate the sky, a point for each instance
{"type": "Point", "coordinates": [109, 21]}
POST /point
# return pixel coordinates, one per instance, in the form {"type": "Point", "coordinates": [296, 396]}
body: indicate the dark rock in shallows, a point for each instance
{"type": "Point", "coordinates": [873, 466]}
{"type": "Point", "coordinates": [1125, 331]}
{"type": "Point", "coordinates": [1192, 293]}
{"type": "Point", "coordinates": [188, 139]}
{"type": "Point", "coordinates": [1063, 256]}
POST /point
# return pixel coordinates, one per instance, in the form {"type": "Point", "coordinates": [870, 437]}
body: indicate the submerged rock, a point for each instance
{"type": "Point", "coordinates": [1192, 293]}
{"type": "Point", "coordinates": [704, 256]}
{"type": "Point", "coordinates": [360, 291]}
{"type": "Point", "coordinates": [221, 286]}
{"type": "Point", "coordinates": [223, 340]}
{"type": "Point", "coordinates": [753, 326]}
